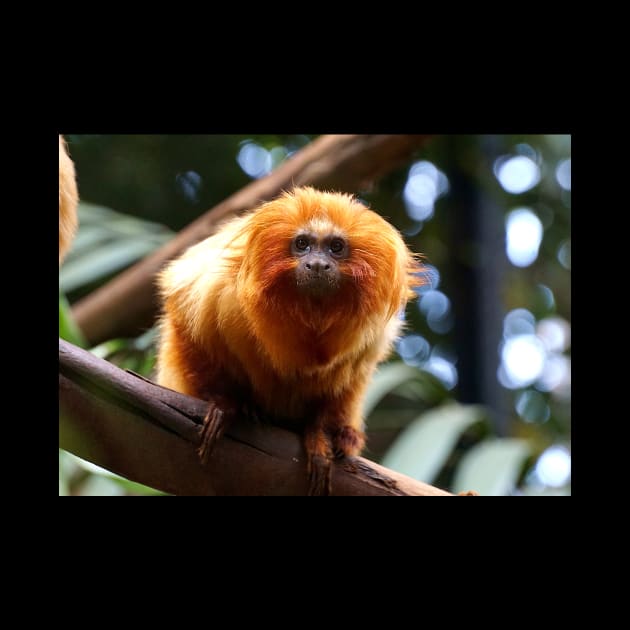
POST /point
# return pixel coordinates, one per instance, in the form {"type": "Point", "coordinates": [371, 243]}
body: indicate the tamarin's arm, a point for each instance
{"type": "Point", "coordinates": [338, 431]}
{"type": "Point", "coordinates": [68, 199]}
{"type": "Point", "coordinates": [184, 368]}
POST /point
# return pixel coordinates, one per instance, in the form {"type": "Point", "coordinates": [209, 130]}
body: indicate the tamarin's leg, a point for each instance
{"type": "Point", "coordinates": [346, 428]}
{"type": "Point", "coordinates": [319, 458]}
{"type": "Point", "coordinates": [177, 355]}
{"type": "Point", "coordinates": [336, 432]}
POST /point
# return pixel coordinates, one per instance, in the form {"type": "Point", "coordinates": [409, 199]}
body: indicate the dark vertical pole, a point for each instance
{"type": "Point", "coordinates": [477, 265]}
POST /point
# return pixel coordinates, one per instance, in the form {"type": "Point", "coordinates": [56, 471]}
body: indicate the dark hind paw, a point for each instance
{"type": "Point", "coordinates": [348, 442]}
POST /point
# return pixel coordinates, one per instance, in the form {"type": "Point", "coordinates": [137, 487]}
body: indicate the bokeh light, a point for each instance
{"type": "Point", "coordinates": [425, 184]}
{"type": "Point", "coordinates": [556, 376]}
{"type": "Point", "coordinates": [532, 406]}
{"type": "Point", "coordinates": [434, 302]}
{"type": "Point", "coordinates": [442, 369]}
{"type": "Point", "coordinates": [517, 174]}
{"type": "Point", "coordinates": [523, 361]}
{"type": "Point", "coordinates": [563, 174]}
{"type": "Point", "coordinates": [255, 160]}
{"type": "Point", "coordinates": [519, 322]}
{"type": "Point", "coordinates": [554, 466]}
{"type": "Point", "coordinates": [546, 295]}
{"type": "Point", "coordinates": [414, 349]}
{"type": "Point", "coordinates": [522, 148]}
{"type": "Point", "coordinates": [555, 332]}
{"type": "Point", "coordinates": [523, 236]}
{"type": "Point", "coordinates": [431, 278]}
{"type": "Point", "coordinates": [531, 354]}
{"type": "Point", "coordinates": [436, 307]}
{"type": "Point", "coordinates": [189, 184]}
{"type": "Point", "coordinates": [564, 254]}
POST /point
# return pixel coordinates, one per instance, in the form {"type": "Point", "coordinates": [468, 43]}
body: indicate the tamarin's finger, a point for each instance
{"type": "Point", "coordinates": [218, 417]}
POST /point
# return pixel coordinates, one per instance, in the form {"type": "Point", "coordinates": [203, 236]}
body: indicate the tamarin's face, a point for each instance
{"type": "Point", "coordinates": [318, 257]}
{"type": "Point", "coordinates": [330, 248]}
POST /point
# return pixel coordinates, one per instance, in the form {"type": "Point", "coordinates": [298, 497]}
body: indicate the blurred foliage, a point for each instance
{"type": "Point", "coordinates": [106, 243]}
{"type": "Point", "coordinates": [78, 477]}
{"type": "Point", "coordinates": [68, 328]}
{"type": "Point", "coordinates": [417, 422]}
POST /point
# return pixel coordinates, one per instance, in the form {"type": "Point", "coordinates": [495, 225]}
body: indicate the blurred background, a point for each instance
{"type": "Point", "coordinates": [478, 392]}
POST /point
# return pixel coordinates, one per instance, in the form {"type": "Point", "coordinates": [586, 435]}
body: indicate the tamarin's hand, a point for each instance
{"type": "Point", "coordinates": [68, 199]}
{"type": "Point", "coordinates": [287, 311]}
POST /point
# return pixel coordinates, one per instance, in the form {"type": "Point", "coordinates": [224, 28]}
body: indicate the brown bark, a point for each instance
{"type": "Point", "coordinates": [127, 304]}
{"type": "Point", "coordinates": [149, 434]}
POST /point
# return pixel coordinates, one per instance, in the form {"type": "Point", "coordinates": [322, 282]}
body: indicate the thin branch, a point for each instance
{"type": "Point", "coordinates": [149, 434]}
{"type": "Point", "coordinates": [350, 163]}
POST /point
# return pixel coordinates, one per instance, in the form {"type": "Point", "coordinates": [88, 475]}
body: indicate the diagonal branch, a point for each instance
{"type": "Point", "coordinates": [149, 434]}
{"type": "Point", "coordinates": [348, 163]}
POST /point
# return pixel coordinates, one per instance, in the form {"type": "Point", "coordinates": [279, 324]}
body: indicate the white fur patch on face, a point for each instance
{"type": "Point", "coordinates": [322, 227]}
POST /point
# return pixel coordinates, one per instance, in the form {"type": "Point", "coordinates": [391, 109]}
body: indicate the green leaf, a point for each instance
{"type": "Point", "coordinates": [107, 241]}
{"type": "Point", "coordinates": [115, 484]}
{"type": "Point", "coordinates": [65, 472]}
{"type": "Point", "coordinates": [103, 261]}
{"type": "Point", "coordinates": [136, 488]}
{"type": "Point", "coordinates": [97, 486]}
{"type": "Point", "coordinates": [146, 340]}
{"type": "Point", "coordinates": [68, 328]}
{"type": "Point", "coordinates": [564, 491]}
{"type": "Point", "coordinates": [70, 473]}
{"type": "Point", "coordinates": [388, 378]}
{"type": "Point", "coordinates": [87, 238]}
{"type": "Point", "coordinates": [423, 447]}
{"type": "Point", "coordinates": [109, 347]}
{"type": "Point", "coordinates": [113, 222]}
{"type": "Point", "coordinates": [493, 467]}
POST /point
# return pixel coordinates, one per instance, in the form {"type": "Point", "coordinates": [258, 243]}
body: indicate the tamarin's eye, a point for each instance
{"type": "Point", "coordinates": [301, 243]}
{"type": "Point", "coordinates": [337, 245]}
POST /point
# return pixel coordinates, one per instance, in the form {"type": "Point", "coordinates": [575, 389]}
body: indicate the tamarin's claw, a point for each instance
{"type": "Point", "coordinates": [319, 469]}
{"type": "Point", "coordinates": [216, 421]}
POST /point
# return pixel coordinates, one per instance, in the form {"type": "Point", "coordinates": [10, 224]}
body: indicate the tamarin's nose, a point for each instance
{"type": "Point", "coordinates": [317, 265]}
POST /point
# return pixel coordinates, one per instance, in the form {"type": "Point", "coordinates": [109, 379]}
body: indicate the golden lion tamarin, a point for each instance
{"type": "Point", "coordinates": [68, 199]}
{"type": "Point", "coordinates": [285, 312]}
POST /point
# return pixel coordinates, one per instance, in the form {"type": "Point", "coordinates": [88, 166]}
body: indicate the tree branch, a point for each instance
{"type": "Point", "coordinates": [127, 304]}
{"type": "Point", "coordinates": [149, 434]}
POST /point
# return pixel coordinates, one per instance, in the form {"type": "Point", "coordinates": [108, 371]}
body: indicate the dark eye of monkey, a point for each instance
{"type": "Point", "coordinates": [337, 246]}
{"type": "Point", "coordinates": [301, 243]}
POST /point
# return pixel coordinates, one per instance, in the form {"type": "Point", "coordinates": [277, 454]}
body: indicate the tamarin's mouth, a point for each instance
{"type": "Point", "coordinates": [317, 275]}
{"type": "Point", "coordinates": [317, 285]}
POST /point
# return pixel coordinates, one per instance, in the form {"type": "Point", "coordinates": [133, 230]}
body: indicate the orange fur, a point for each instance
{"type": "Point", "coordinates": [68, 199]}
{"type": "Point", "coordinates": [236, 324]}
